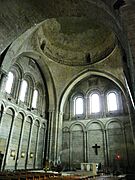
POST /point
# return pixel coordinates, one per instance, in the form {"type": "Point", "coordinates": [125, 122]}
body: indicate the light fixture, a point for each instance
{"type": "Point", "coordinates": [22, 154]}
{"type": "Point", "coordinates": [31, 155]}
{"type": "Point", "coordinates": [12, 154]}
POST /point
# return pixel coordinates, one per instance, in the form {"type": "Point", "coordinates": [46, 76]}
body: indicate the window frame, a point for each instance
{"type": "Point", "coordinates": [74, 115]}
{"type": "Point", "coordinates": [8, 81]}
{"type": "Point", "coordinates": [90, 94]}
{"type": "Point", "coordinates": [118, 101]}
{"type": "Point", "coordinates": [108, 103]}
{"type": "Point", "coordinates": [37, 98]}
{"type": "Point", "coordinates": [17, 72]}
{"type": "Point", "coordinates": [23, 80]}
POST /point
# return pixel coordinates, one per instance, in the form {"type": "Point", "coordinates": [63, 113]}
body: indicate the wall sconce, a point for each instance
{"type": "Point", "coordinates": [22, 154]}
{"type": "Point", "coordinates": [12, 154]}
{"type": "Point", "coordinates": [31, 155]}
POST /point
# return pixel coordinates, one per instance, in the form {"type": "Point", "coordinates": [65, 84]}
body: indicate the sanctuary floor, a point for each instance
{"type": "Point", "coordinates": [50, 175]}
{"type": "Point", "coordinates": [87, 175]}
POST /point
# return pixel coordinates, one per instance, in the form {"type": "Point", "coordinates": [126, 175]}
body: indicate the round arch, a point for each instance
{"type": "Point", "coordinates": [83, 75]}
{"type": "Point", "coordinates": [12, 108]}
{"type": "Point", "coordinates": [97, 122]}
{"type": "Point", "coordinates": [22, 112]}
{"type": "Point", "coordinates": [39, 59]}
{"type": "Point", "coordinates": [77, 123]}
{"type": "Point", "coordinates": [114, 120]}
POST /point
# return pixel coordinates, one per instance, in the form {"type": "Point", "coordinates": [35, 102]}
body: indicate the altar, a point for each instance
{"type": "Point", "coordinates": [92, 167]}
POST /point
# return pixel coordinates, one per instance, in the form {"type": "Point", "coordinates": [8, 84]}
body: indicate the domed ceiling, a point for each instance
{"type": "Point", "coordinates": [75, 41]}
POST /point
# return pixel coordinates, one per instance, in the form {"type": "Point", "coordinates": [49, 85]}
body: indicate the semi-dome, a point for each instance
{"type": "Point", "coordinates": [75, 40]}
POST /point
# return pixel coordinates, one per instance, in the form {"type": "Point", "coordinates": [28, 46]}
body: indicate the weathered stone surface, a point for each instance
{"type": "Point", "coordinates": [66, 47]}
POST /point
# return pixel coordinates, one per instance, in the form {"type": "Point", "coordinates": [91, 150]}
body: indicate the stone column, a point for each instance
{"type": "Point", "coordinates": [85, 146]}
{"type": "Point", "coordinates": [44, 144]}
{"type": "Point", "coordinates": [86, 104]}
{"type": "Point", "coordinates": [58, 142]}
{"type": "Point", "coordinates": [106, 148]}
{"type": "Point", "coordinates": [19, 145]}
{"type": "Point", "coordinates": [36, 148]}
{"type": "Point", "coordinates": [8, 143]}
{"type": "Point", "coordinates": [28, 146]}
{"type": "Point", "coordinates": [50, 135]}
{"type": "Point", "coordinates": [87, 150]}
{"type": "Point", "coordinates": [70, 149]}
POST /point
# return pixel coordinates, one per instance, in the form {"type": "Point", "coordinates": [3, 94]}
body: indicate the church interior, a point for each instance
{"type": "Point", "coordinates": [67, 85]}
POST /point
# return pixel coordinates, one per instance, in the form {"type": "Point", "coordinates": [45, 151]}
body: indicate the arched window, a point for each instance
{"type": "Point", "coordinates": [94, 103]}
{"type": "Point", "coordinates": [34, 99]}
{"type": "Point", "coordinates": [78, 105]}
{"type": "Point", "coordinates": [112, 101]}
{"type": "Point", "coordinates": [9, 82]}
{"type": "Point", "coordinates": [24, 86]}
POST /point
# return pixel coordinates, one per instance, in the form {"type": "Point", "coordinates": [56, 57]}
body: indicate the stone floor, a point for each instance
{"type": "Point", "coordinates": [94, 177]}
{"type": "Point", "coordinates": [109, 177]}
{"type": "Point", "coordinates": [98, 177]}
{"type": "Point", "coordinates": [91, 176]}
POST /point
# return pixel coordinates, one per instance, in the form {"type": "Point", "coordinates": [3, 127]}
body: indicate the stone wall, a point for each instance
{"type": "Point", "coordinates": [22, 133]}
{"type": "Point", "coordinates": [22, 127]}
{"type": "Point", "coordinates": [128, 19]}
{"type": "Point", "coordinates": [18, 16]}
{"type": "Point", "coordinates": [110, 134]}
{"type": "Point", "coordinates": [111, 131]}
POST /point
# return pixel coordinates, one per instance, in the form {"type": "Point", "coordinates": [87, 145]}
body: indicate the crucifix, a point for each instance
{"type": "Point", "coordinates": [96, 148]}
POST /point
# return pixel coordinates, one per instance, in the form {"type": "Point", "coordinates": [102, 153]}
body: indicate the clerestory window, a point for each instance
{"type": "Point", "coordinates": [9, 82]}
{"type": "Point", "coordinates": [112, 101]}
{"type": "Point", "coordinates": [78, 105]}
{"type": "Point", "coordinates": [94, 103]}
{"type": "Point", "coordinates": [34, 99]}
{"type": "Point", "coordinates": [24, 86]}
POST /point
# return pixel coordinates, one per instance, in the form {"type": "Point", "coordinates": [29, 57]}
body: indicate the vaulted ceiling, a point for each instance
{"type": "Point", "coordinates": [75, 40]}
{"type": "Point", "coordinates": [74, 32]}
{"type": "Point", "coordinates": [18, 16]}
